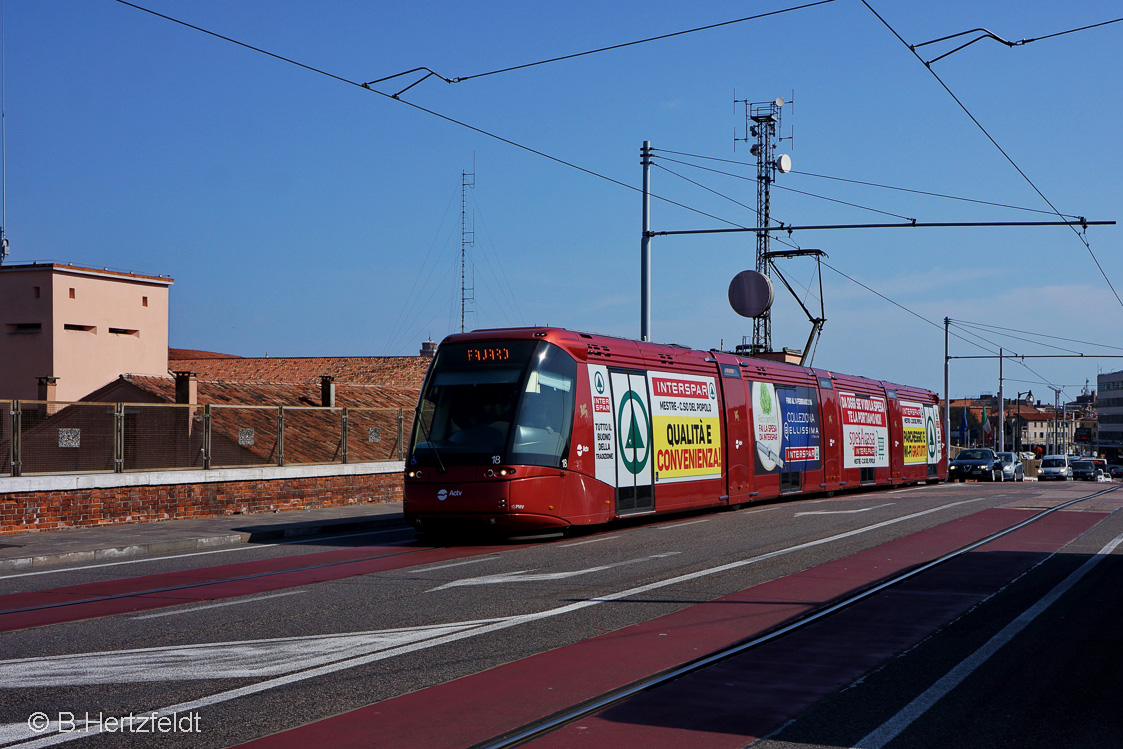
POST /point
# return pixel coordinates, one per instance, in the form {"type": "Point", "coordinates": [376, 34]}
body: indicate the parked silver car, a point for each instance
{"type": "Point", "coordinates": [1012, 468]}
{"type": "Point", "coordinates": [1054, 467]}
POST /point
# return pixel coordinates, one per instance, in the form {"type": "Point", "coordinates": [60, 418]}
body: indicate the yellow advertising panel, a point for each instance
{"type": "Point", "coordinates": [687, 427]}
{"type": "Point", "coordinates": [913, 432]}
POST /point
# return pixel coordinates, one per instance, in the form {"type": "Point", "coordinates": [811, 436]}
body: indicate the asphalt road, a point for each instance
{"type": "Point", "coordinates": [308, 634]}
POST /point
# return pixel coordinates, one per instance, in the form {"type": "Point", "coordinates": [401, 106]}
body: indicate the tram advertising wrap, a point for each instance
{"type": "Point", "coordinates": [786, 419]}
{"type": "Point", "coordinates": [550, 429]}
{"type": "Point", "coordinates": [687, 427]}
{"type": "Point", "coordinates": [865, 431]}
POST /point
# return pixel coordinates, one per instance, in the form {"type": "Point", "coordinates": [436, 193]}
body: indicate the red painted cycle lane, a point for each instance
{"type": "Point", "coordinates": [127, 595]}
{"type": "Point", "coordinates": [478, 707]}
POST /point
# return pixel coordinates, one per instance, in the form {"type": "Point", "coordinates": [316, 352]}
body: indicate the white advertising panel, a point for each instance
{"type": "Point", "coordinates": [632, 418]}
{"type": "Point", "coordinates": [865, 431]}
{"type": "Point", "coordinates": [604, 434]}
{"type": "Point", "coordinates": [934, 433]}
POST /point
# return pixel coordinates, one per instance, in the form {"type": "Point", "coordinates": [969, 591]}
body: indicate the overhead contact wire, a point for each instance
{"type": "Point", "coordinates": [855, 182]}
{"type": "Point", "coordinates": [640, 41]}
{"type": "Point", "coordinates": [1017, 168]}
{"type": "Point", "coordinates": [432, 113]}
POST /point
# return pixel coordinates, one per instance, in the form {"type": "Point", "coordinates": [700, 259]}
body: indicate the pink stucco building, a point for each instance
{"type": "Point", "coordinates": [65, 331]}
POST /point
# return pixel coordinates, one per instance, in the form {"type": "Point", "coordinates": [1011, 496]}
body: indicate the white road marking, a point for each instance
{"type": "Point", "coordinates": [220, 660]}
{"type": "Point", "coordinates": [590, 541]}
{"type": "Point", "coordinates": [910, 712]}
{"type": "Point", "coordinates": [477, 560]}
{"type": "Point", "coordinates": [679, 525]}
{"type": "Point", "coordinates": [522, 576]}
{"type": "Point", "coordinates": [244, 547]}
{"type": "Point", "coordinates": [843, 512]}
{"type": "Point", "coordinates": [916, 488]}
{"type": "Point", "coordinates": [454, 633]}
{"type": "Point", "coordinates": [189, 609]}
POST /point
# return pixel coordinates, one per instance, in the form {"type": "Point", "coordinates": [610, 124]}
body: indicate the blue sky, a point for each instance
{"type": "Point", "coordinates": [303, 216]}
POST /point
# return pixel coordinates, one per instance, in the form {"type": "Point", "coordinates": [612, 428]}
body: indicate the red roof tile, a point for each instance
{"type": "Point", "coordinates": [394, 371]}
{"type": "Point", "coordinates": [189, 353]}
{"type": "Point", "coordinates": [297, 394]}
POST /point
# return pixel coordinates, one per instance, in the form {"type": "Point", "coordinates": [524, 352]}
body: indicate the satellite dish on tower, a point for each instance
{"type": "Point", "coordinates": [751, 293]}
{"type": "Point", "coordinates": [779, 101]}
{"type": "Point", "coordinates": [784, 163]}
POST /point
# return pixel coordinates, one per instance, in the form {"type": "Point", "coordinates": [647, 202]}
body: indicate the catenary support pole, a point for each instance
{"type": "Point", "coordinates": [1001, 409]}
{"type": "Point", "coordinates": [947, 395]}
{"type": "Point", "coordinates": [645, 248]}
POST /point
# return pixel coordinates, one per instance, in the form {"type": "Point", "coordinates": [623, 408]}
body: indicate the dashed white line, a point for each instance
{"type": "Point", "coordinates": [843, 512]}
{"type": "Point", "coordinates": [679, 525]}
{"type": "Point", "coordinates": [189, 609]}
{"type": "Point", "coordinates": [477, 560]}
{"type": "Point", "coordinates": [590, 541]}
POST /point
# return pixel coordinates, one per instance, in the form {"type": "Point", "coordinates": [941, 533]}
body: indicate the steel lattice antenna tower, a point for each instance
{"type": "Point", "coordinates": [765, 130]}
{"type": "Point", "coordinates": [467, 239]}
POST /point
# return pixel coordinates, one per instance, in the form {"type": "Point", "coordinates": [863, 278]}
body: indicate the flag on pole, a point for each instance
{"type": "Point", "coordinates": [963, 428]}
{"type": "Point", "coordinates": [987, 430]}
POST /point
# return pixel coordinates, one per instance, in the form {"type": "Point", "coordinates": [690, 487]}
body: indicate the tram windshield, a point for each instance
{"type": "Point", "coordinates": [496, 402]}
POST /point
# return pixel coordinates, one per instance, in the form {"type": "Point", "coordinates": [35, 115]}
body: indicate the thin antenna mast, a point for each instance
{"type": "Point", "coordinates": [467, 239]}
{"type": "Point", "coordinates": [765, 130]}
{"type": "Point", "coordinates": [3, 143]}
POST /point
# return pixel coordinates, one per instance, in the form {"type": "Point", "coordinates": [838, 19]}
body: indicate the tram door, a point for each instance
{"type": "Point", "coordinates": [631, 413]}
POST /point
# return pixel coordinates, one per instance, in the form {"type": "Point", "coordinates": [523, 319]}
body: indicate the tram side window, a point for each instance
{"type": "Point", "coordinates": [545, 417]}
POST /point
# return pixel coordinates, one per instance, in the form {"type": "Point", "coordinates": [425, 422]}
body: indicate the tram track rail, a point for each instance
{"type": "Point", "coordinates": [587, 708]}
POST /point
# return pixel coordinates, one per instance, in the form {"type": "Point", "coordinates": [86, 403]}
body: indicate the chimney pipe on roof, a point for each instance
{"type": "Point", "coordinates": [327, 391]}
{"type": "Point", "coordinates": [186, 388]}
{"type": "Point", "coordinates": [47, 387]}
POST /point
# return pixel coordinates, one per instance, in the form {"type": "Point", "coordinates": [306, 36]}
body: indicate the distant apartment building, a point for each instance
{"type": "Point", "coordinates": [1110, 414]}
{"type": "Point", "coordinates": [66, 331]}
{"type": "Point", "coordinates": [1028, 427]}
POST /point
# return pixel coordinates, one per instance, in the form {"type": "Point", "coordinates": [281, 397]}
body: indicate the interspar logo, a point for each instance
{"type": "Point", "coordinates": [668, 388]}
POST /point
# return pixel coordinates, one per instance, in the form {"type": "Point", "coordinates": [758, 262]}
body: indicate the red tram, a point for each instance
{"type": "Point", "coordinates": [545, 428]}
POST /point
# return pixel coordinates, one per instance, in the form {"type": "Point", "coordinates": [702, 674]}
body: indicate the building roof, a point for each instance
{"type": "Point", "coordinates": [229, 392]}
{"type": "Point", "coordinates": [190, 353]}
{"type": "Point", "coordinates": [388, 371]}
{"type": "Point", "coordinates": [83, 271]}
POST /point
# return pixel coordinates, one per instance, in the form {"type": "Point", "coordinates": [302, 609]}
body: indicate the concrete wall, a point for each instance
{"type": "Point", "coordinates": [45, 503]}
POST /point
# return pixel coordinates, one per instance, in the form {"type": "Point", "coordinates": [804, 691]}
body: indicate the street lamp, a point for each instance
{"type": "Point", "coordinates": [1056, 406]}
{"type": "Point", "coordinates": [1017, 426]}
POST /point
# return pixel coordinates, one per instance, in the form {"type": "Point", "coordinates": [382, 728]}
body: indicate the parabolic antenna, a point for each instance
{"type": "Point", "coordinates": [780, 101]}
{"type": "Point", "coordinates": [750, 293]}
{"type": "Point", "coordinates": [784, 163]}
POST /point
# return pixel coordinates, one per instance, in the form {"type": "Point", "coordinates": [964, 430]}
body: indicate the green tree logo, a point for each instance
{"type": "Point", "coordinates": [633, 428]}
{"type": "Point", "coordinates": [765, 402]}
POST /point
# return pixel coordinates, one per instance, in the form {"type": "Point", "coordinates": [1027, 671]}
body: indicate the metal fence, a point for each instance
{"type": "Point", "coordinates": [39, 437]}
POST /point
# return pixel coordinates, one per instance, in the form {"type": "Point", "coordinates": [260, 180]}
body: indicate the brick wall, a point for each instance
{"type": "Point", "coordinates": [51, 503]}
